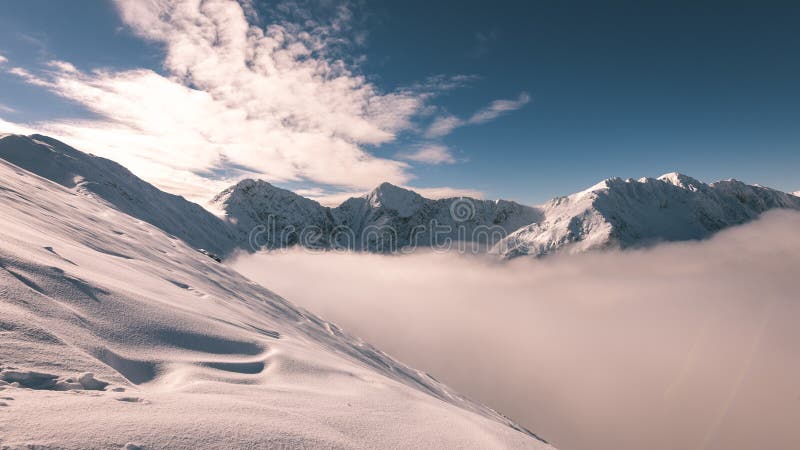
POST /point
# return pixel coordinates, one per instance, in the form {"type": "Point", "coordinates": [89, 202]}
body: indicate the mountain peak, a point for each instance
{"type": "Point", "coordinates": [389, 196]}
{"type": "Point", "coordinates": [389, 187]}
{"type": "Point", "coordinates": [249, 183]}
{"type": "Point", "coordinates": [680, 180]}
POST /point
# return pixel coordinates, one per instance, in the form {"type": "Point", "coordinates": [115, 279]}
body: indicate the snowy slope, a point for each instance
{"type": "Point", "coordinates": [109, 181]}
{"type": "Point", "coordinates": [387, 219]}
{"type": "Point", "coordinates": [619, 213]}
{"type": "Point", "coordinates": [184, 352]}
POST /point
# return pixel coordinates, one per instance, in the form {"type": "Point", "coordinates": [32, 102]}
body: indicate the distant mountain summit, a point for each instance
{"type": "Point", "coordinates": [253, 204]}
{"type": "Point", "coordinates": [617, 213]}
{"type": "Point", "coordinates": [387, 219]}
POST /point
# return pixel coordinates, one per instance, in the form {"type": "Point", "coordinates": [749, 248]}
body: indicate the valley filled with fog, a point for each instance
{"type": "Point", "coordinates": [684, 345]}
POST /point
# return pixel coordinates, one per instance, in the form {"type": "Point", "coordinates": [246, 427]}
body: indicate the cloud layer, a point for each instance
{"type": "Point", "coordinates": [283, 101]}
{"type": "Point", "coordinates": [687, 345]}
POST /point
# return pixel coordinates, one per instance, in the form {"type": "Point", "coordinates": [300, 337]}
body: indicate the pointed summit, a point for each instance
{"type": "Point", "coordinates": [680, 180]}
{"type": "Point", "coordinates": [389, 196]}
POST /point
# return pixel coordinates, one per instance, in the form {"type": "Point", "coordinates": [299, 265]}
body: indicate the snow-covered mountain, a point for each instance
{"type": "Point", "coordinates": [387, 219]}
{"type": "Point", "coordinates": [255, 203]}
{"type": "Point", "coordinates": [86, 174]}
{"type": "Point", "coordinates": [617, 213]}
{"type": "Point", "coordinates": [116, 334]}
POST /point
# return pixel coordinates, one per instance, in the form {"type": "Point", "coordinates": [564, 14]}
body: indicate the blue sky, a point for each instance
{"type": "Point", "coordinates": [542, 98]}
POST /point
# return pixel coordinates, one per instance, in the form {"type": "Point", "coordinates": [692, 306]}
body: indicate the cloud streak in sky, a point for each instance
{"type": "Point", "coordinates": [445, 124]}
{"type": "Point", "coordinates": [429, 154]}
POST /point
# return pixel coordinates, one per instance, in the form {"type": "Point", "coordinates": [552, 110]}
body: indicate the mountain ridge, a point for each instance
{"type": "Point", "coordinates": [387, 219]}
{"type": "Point", "coordinates": [614, 213]}
{"type": "Point", "coordinates": [113, 183]}
{"type": "Point", "coordinates": [617, 213]}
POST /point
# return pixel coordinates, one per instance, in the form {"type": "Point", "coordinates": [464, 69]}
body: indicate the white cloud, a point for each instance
{"type": "Point", "coordinates": [327, 198]}
{"type": "Point", "coordinates": [445, 124]}
{"type": "Point", "coordinates": [10, 127]}
{"type": "Point", "coordinates": [335, 199]}
{"type": "Point", "coordinates": [435, 193]}
{"type": "Point", "coordinates": [498, 108]}
{"type": "Point", "coordinates": [430, 154]}
{"type": "Point", "coordinates": [332, 199]}
{"type": "Point", "coordinates": [3, 59]}
{"type": "Point", "coordinates": [274, 102]}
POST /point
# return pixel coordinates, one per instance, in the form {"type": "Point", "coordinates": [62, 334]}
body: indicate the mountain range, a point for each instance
{"type": "Point", "coordinates": [115, 321]}
{"type": "Point", "coordinates": [614, 213]}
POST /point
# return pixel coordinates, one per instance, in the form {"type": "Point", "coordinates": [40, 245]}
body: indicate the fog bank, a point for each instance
{"type": "Point", "coordinates": [683, 346]}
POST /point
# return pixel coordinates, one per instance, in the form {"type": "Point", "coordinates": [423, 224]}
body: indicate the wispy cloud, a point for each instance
{"type": "Point", "coordinates": [499, 107]}
{"type": "Point", "coordinates": [448, 192]}
{"type": "Point", "coordinates": [333, 199]}
{"type": "Point", "coordinates": [444, 124]}
{"type": "Point", "coordinates": [3, 59]}
{"type": "Point", "coordinates": [429, 154]}
{"type": "Point", "coordinates": [483, 41]}
{"type": "Point", "coordinates": [281, 101]}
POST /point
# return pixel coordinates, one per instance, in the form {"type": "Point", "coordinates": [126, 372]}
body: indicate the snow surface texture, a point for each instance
{"type": "Point", "coordinates": [115, 334]}
{"type": "Point", "coordinates": [110, 182]}
{"type": "Point", "coordinates": [619, 213]}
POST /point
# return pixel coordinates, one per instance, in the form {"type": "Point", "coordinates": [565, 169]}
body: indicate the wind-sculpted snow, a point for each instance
{"type": "Point", "coordinates": [116, 334]}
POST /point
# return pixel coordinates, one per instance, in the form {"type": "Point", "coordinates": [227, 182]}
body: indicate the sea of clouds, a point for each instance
{"type": "Point", "coordinates": [692, 345]}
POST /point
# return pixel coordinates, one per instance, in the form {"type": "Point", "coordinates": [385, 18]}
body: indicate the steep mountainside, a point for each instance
{"type": "Point", "coordinates": [281, 214]}
{"type": "Point", "coordinates": [116, 185]}
{"type": "Point", "coordinates": [619, 213]}
{"type": "Point", "coordinates": [114, 334]}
